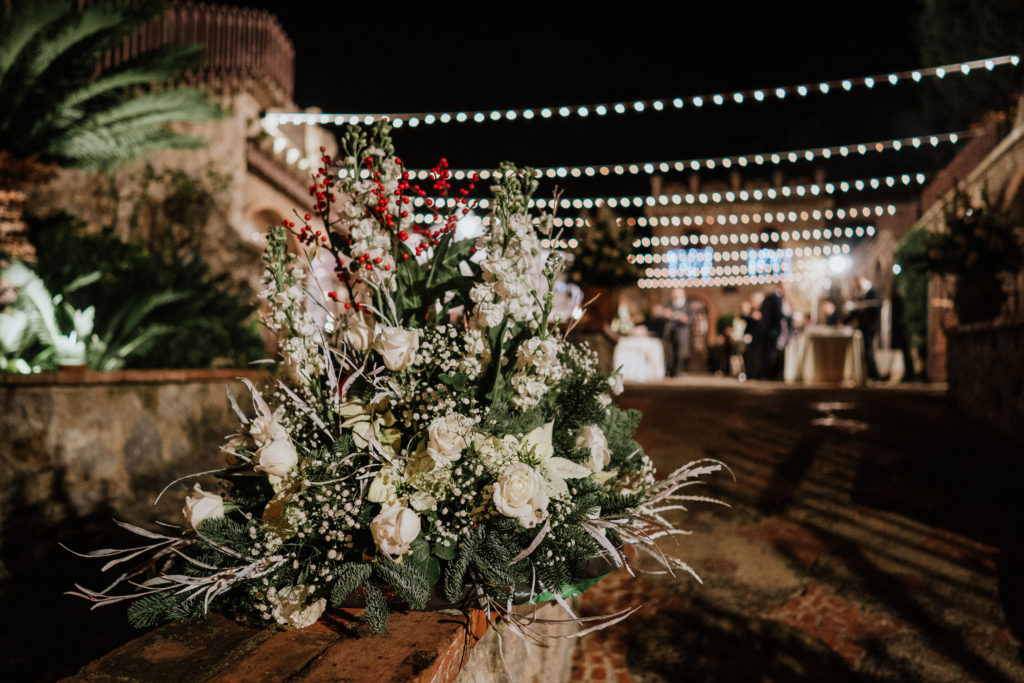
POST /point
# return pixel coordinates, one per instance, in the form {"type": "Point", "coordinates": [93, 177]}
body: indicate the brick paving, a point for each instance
{"type": "Point", "coordinates": [873, 535]}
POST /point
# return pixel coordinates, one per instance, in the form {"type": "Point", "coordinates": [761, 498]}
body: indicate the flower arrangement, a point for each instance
{"type": "Point", "coordinates": [979, 244]}
{"type": "Point", "coordinates": [977, 239]}
{"type": "Point", "coordinates": [430, 439]}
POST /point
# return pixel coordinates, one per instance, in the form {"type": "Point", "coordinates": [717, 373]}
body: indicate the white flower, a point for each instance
{"type": "Point", "coordinates": [201, 506]}
{"type": "Point", "coordinates": [277, 457]}
{"type": "Point", "coordinates": [422, 501]}
{"type": "Point", "coordinates": [394, 529]}
{"type": "Point", "coordinates": [553, 470]}
{"type": "Point", "coordinates": [359, 330]}
{"type": "Point", "coordinates": [592, 438]}
{"type": "Point", "coordinates": [397, 345]}
{"type": "Point", "coordinates": [265, 428]}
{"type": "Point", "coordinates": [448, 436]}
{"type": "Point", "coordinates": [489, 314]}
{"type": "Point", "coordinates": [382, 488]}
{"type": "Point", "coordinates": [289, 607]}
{"type": "Point", "coordinates": [519, 492]}
{"type": "Point", "coordinates": [615, 383]}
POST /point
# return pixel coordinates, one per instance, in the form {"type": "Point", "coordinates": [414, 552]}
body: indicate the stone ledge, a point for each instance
{"type": "Point", "coordinates": [420, 646]}
{"type": "Point", "coordinates": [82, 376]}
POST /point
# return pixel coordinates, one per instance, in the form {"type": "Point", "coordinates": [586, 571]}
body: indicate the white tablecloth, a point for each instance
{"type": "Point", "coordinates": [642, 359]}
{"type": "Point", "coordinates": [826, 355]}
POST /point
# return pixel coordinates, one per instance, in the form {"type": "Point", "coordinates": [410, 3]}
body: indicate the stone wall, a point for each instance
{"type": "Point", "coordinates": [985, 373]}
{"type": "Point", "coordinates": [72, 451]}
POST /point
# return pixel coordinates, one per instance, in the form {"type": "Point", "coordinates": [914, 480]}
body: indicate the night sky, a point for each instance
{"type": "Point", "coordinates": [378, 57]}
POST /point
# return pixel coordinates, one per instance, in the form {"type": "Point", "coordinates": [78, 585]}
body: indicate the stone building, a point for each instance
{"type": "Point", "coordinates": [258, 175]}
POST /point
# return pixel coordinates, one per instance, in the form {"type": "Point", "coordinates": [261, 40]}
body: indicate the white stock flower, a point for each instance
{"type": "Point", "coordinates": [447, 437]}
{"type": "Point", "coordinates": [277, 457]}
{"type": "Point", "coordinates": [397, 345]}
{"type": "Point", "coordinates": [289, 606]}
{"type": "Point", "coordinates": [394, 529]}
{"type": "Point", "coordinates": [489, 314]}
{"type": "Point", "coordinates": [519, 492]}
{"type": "Point", "coordinates": [592, 438]}
{"type": "Point", "coordinates": [201, 506]}
{"type": "Point", "coordinates": [615, 383]}
{"type": "Point", "coordinates": [360, 329]}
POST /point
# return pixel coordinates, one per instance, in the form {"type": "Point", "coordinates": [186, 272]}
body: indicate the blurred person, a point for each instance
{"type": "Point", "coordinates": [771, 325]}
{"type": "Point", "coordinates": [750, 312]}
{"type": "Point", "coordinates": [678, 332]}
{"type": "Point", "coordinates": [865, 312]}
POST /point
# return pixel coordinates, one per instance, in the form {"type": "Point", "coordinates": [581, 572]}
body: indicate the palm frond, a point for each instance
{"type": "Point", "coordinates": [147, 68]}
{"type": "Point", "coordinates": [23, 22]}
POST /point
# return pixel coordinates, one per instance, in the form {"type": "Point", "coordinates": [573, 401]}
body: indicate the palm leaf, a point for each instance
{"type": "Point", "coordinates": [23, 22]}
{"type": "Point", "coordinates": [147, 68]}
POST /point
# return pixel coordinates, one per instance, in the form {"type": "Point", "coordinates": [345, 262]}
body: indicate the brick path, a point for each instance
{"type": "Point", "coordinates": [873, 536]}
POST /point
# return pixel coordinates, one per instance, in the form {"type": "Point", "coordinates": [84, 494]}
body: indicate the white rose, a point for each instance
{"type": "Point", "coordinates": [591, 437]}
{"type": "Point", "coordinates": [264, 429]}
{"type": "Point", "coordinates": [519, 492]}
{"type": "Point", "coordinates": [382, 488]}
{"type": "Point", "coordinates": [289, 607]}
{"type": "Point", "coordinates": [394, 529]}
{"type": "Point", "coordinates": [201, 506]}
{"type": "Point", "coordinates": [277, 457]}
{"type": "Point", "coordinates": [397, 345]}
{"type": "Point", "coordinates": [448, 436]}
{"type": "Point", "coordinates": [359, 331]}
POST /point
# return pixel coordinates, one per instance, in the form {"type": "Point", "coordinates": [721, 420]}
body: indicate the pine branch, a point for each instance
{"type": "Point", "coordinates": [377, 614]}
{"type": "Point", "coordinates": [410, 584]}
{"type": "Point", "coordinates": [350, 575]}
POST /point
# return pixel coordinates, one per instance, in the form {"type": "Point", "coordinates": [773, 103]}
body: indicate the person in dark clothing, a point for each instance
{"type": "Point", "coordinates": [866, 314]}
{"type": "Point", "coordinates": [769, 329]}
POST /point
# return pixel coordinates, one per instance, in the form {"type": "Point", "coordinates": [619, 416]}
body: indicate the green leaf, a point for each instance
{"type": "Point", "coordinates": [568, 590]}
{"type": "Point", "coordinates": [445, 552]}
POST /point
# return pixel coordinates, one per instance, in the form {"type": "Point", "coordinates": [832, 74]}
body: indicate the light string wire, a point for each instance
{"type": "Point", "coordinates": [703, 198]}
{"type": "Point", "coordinates": [414, 119]}
{"type": "Point", "coordinates": [711, 163]}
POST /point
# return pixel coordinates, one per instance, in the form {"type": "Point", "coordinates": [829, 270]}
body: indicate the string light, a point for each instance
{"type": "Point", "coordinates": [763, 159]}
{"type": "Point", "coordinates": [414, 119]}
{"type": "Point", "coordinates": [741, 269]}
{"type": "Point", "coordinates": [737, 255]}
{"type": "Point", "coordinates": [719, 281]}
{"type": "Point", "coordinates": [730, 196]}
{"type": "Point", "coordinates": [876, 210]}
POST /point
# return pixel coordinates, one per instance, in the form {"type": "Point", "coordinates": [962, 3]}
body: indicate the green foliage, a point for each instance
{"type": "Point", "coordinates": [351, 575]}
{"type": "Point", "coordinates": [159, 608]}
{"type": "Point", "coordinates": [376, 615]}
{"type": "Point", "coordinates": [410, 583]}
{"type": "Point", "coordinates": [55, 105]}
{"type": "Point", "coordinates": [600, 259]}
{"type": "Point", "coordinates": [912, 284]}
{"type": "Point", "coordinates": [455, 571]}
{"type": "Point", "coordinates": [150, 312]}
{"type": "Point", "coordinates": [978, 239]}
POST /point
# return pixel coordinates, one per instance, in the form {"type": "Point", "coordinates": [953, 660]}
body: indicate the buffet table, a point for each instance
{"type": "Point", "coordinates": [826, 355]}
{"type": "Point", "coordinates": [642, 359]}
